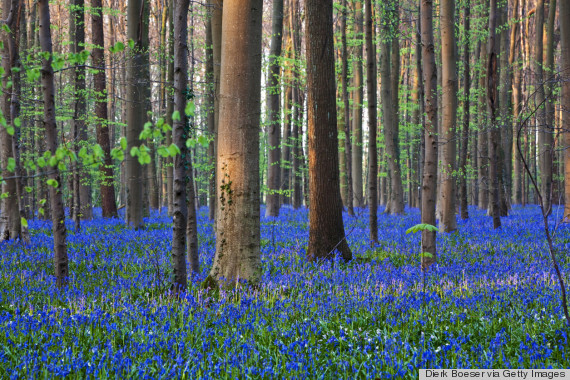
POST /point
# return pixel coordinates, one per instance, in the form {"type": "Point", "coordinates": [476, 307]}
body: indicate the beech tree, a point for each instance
{"type": "Point", "coordinates": [326, 227]}
{"type": "Point", "coordinates": [238, 255]}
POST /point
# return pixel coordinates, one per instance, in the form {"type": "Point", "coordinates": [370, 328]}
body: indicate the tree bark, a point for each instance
{"type": "Point", "coordinates": [347, 140]}
{"type": "Point", "coordinates": [482, 144]}
{"type": "Point", "coordinates": [273, 112]}
{"type": "Point", "coordinates": [430, 167]}
{"type": "Point", "coordinates": [298, 101]}
{"type": "Point", "coordinates": [549, 151]}
{"type": "Point", "coordinates": [10, 219]}
{"type": "Point", "coordinates": [82, 176]}
{"type": "Point", "coordinates": [238, 255]}
{"type": "Point", "coordinates": [55, 194]}
{"type": "Point", "coordinates": [449, 115]}
{"type": "Point", "coordinates": [357, 96]}
{"type": "Point", "coordinates": [466, 111]}
{"type": "Point", "coordinates": [371, 90]}
{"type": "Point", "coordinates": [564, 17]}
{"type": "Point", "coordinates": [137, 31]}
{"type": "Point", "coordinates": [108, 205]}
{"type": "Point", "coordinates": [514, 53]}
{"type": "Point", "coordinates": [492, 100]}
{"type": "Point", "coordinates": [326, 228]}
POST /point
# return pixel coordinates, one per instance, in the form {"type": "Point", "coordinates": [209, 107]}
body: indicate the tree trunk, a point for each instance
{"type": "Point", "coordinates": [389, 87]}
{"type": "Point", "coordinates": [238, 253]}
{"type": "Point", "coordinates": [211, 120]}
{"type": "Point", "coordinates": [217, 16]}
{"type": "Point", "coordinates": [466, 111]}
{"type": "Point", "coordinates": [549, 151]}
{"type": "Point", "coordinates": [372, 127]}
{"type": "Point", "coordinates": [137, 31]}
{"type": "Point", "coordinates": [108, 205]}
{"type": "Point", "coordinates": [298, 101]}
{"type": "Point", "coordinates": [82, 176]}
{"type": "Point", "coordinates": [492, 100]}
{"type": "Point", "coordinates": [514, 53]}
{"type": "Point", "coordinates": [482, 144]}
{"type": "Point", "coordinates": [326, 228]}
{"type": "Point", "coordinates": [10, 219]}
{"type": "Point", "coordinates": [448, 115]}
{"type": "Point", "coordinates": [273, 112]}
{"type": "Point", "coordinates": [430, 168]}
{"type": "Point", "coordinates": [357, 96]}
{"type": "Point", "coordinates": [564, 16]}
{"type": "Point", "coordinates": [179, 136]}
{"type": "Point", "coordinates": [55, 194]}
{"type": "Point", "coordinates": [170, 110]}
{"type": "Point", "coordinates": [347, 140]}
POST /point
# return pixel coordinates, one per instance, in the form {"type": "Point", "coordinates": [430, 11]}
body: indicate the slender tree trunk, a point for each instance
{"type": "Point", "coordinates": [55, 194]}
{"type": "Point", "coordinates": [448, 115]}
{"type": "Point", "coordinates": [326, 228]}
{"type": "Point", "coordinates": [108, 205]}
{"type": "Point", "coordinates": [170, 110]}
{"type": "Point", "coordinates": [286, 141]}
{"type": "Point", "coordinates": [347, 141]}
{"type": "Point", "coordinates": [137, 31]}
{"type": "Point", "coordinates": [295, 25]}
{"type": "Point", "coordinates": [82, 176]}
{"type": "Point", "coordinates": [238, 253]}
{"type": "Point", "coordinates": [482, 145]}
{"type": "Point", "coordinates": [372, 127]}
{"type": "Point", "coordinates": [179, 136]}
{"type": "Point", "coordinates": [187, 84]}
{"type": "Point", "coordinates": [358, 196]}
{"type": "Point", "coordinates": [492, 100]}
{"type": "Point", "coordinates": [273, 112]}
{"type": "Point", "coordinates": [514, 53]}
{"type": "Point", "coordinates": [429, 193]}
{"type": "Point", "coordinates": [466, 110]}
{"type": "Point", "coordinates": [549, 151]}
{"type": "Point", "coordinates": [211, 120]}
{"type": "Point", "coordinates": [564, 17]}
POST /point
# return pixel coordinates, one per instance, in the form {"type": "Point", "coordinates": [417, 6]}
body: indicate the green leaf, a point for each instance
{"type": "Point", "coordinates": [173, 150]}
{"type": "Point", "coordinates": [203, 140]}
{"type": "Point", "coordinates": [11, 164]}
{"type": "Point", "coordinates": [421, 227]}
{"type": "Point", "coordinates": [190, 143]}
{"type": "Point", "coordinates": [52, 183]}
{"type": "Point", "coordinates": [117, 154]}
{"type": "Point", "coordinates": [10, 130]}
{"type": "Point", "coordinates": [24, 222]}
{"type": "Point", "coordinates": [190, 108]}
{"type": "Point", "coordinates": [176, 116]}
{"type": "Point", "coordinates": [131, 44]}
{"type": "Point", "coordinates": [123, 143]}
{"type": "Point", "coordinates": [28, 189]}
{"type": "Point", "coordinates": [426, 254]}
{"type": "Point", "coordinates": [163, 151]}
{"type": "Point", "coordinates": [4, 195]}
{"type": "Point", "coordinates": [17, 122]}
{"type": "Point", "coordinates": [135, 151]}
{"type": "Point", "coordinates": [118, 47]}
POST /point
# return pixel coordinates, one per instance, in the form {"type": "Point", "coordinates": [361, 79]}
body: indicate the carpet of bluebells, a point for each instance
{"type": "Point", "coordinates": [491, 302]}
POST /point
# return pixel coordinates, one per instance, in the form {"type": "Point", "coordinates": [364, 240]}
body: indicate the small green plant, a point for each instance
{"type": "Point", "coordinates": [420, 228]}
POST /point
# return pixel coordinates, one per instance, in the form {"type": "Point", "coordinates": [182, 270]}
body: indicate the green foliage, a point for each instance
{"type": "Point", "coordinates": [421, 227]}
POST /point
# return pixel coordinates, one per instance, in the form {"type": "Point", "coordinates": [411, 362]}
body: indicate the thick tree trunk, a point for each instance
{"type": "Point", "coordinates": [137, 31]}
{"type": "Point", "coordinates": [326, 228]}
{"type": "Point", "coordinates": [211, 120]}
{"type": "Point", "coordinates": [273, 112]}
{"type": "Point", "coordinates": [448, 115]}
{"type": "Point", "coordinates": [372, 127]}
{"type": "Point", "coordinates": [55, 194]}
{"type": "Point", "coordinates": [430, 168]}
{"type": "Point", "coordinates": [238, 253]}
{"type": "Point", "coordinates": [108, 205]}
{"type": "Point", "coordinates": [466, 111]}
{"type": "Point", "coordinates": [492, 100]}
{"type": "Point", "coordinates": [357, 96]}
{"type": "Point", "coordinates": [217, 16]}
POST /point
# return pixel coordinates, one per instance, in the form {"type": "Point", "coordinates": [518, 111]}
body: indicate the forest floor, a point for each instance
{"type": "Point", "coordinates": [491, 302]}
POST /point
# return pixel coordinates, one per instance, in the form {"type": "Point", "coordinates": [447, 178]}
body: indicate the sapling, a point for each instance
{"type": "Point", "coordinates": [420, 228]}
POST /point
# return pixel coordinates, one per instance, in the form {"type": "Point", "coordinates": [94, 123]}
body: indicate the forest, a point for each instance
{"type": "Point", "coordinates": [283, 188]}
